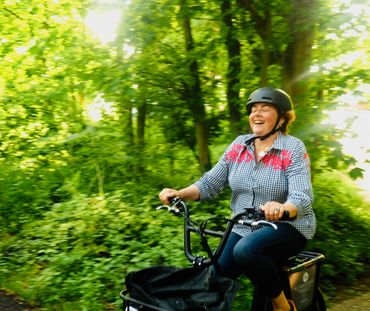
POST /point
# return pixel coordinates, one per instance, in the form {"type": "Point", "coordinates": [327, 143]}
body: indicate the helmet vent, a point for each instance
{"type": "Point", "coordinates": [265, 97]}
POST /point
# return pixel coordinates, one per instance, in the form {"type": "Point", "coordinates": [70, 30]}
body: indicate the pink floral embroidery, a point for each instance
{"type": "Point", "coordinates": [307, 157]}
{"type": "Point", "coordinates": [245, 155]}
{"type": "Point", "coordinates": [278, 162]}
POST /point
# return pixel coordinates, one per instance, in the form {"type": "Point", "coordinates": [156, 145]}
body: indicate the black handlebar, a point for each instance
{"type": "Point", "coordinates": [178, 206]}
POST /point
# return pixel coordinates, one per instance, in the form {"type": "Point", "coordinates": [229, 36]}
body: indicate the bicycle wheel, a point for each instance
{"type": "Point", "coordinates": [319, 301]}
{"type": "Point", "coordinates": [261, 302]}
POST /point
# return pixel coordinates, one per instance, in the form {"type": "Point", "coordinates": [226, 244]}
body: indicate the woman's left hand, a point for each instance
{"type": "Point", "coordinates": [273, 210]}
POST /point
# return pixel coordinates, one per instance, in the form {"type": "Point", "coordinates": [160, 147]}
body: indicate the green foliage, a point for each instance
{"type": "Point", "coordinates": [343, 228]}
{"type": "Point", "coordinates": [79, 251]}
{"type": "Point", "coordinates": [77, 254]}
{"type": "Point", "coordinates": [77, 195]}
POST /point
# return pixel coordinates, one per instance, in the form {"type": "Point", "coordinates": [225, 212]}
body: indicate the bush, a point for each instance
{"type": "Point", "coordinates": [76, 254]}
{"type": "Point", "coordinates": [343, 229]}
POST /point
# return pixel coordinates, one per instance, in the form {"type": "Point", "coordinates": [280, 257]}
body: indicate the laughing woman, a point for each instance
{"type": "Point", "coordinates": [267, 170]}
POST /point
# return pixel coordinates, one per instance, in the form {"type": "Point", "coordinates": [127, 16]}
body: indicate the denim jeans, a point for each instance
{"type": "Point", "coordinates": [260, 255]}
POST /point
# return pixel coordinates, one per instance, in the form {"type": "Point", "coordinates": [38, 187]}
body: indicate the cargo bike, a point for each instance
{"type": "Point", "coordinates": [198, 288]}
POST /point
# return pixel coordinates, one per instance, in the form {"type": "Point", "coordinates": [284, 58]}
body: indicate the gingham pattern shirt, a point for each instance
{"type": "Point", "coordinates": [282, 175]}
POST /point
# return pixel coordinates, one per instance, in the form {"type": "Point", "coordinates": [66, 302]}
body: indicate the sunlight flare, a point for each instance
{"type": "Point", "coordinates": [103, 25]}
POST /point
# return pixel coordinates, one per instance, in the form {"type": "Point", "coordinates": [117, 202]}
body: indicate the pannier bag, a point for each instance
{"type": "Point", "coordinates": [180, 289]}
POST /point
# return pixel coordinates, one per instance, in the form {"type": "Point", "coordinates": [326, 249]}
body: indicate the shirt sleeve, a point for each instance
{"type": "Point", "coordinates": [299, 181]}
{"type": "Point", "coordinates": [213, 181]}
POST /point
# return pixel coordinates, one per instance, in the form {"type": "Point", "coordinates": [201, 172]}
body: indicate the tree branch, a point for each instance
{"type": "Point", "coordinates": [12, 13]}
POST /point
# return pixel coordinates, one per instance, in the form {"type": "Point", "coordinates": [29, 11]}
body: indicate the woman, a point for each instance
{"type": "Point", "coordinates": [267, 170]}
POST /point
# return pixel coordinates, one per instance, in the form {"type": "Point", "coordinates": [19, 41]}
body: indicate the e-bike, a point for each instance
{"type": "Point", "coordinates": [300, 274]}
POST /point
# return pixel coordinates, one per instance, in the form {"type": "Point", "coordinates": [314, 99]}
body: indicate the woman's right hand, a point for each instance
{"type": "Point", "coordinates": [167, 194]}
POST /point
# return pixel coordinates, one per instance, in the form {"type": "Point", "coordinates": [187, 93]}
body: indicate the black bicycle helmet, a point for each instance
{"type": "Point", "coordinates": [277, 97]}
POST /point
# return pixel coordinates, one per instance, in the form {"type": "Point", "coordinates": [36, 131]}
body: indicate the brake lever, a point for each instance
{"type": "Point", "coordinates": [265, 222]}
{"type": "Point", "coordinates": [254, 223]}
{"type": "Point", "coordinates": [172, 208]}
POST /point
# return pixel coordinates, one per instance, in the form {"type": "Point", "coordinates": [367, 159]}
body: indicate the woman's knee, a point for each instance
{"type": "Point", "coordinates": [245, 253]}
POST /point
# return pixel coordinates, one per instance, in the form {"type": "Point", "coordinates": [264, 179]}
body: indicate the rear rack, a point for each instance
{"type": "Point", "coordinates": [304, 259]}
{"type": "Point", "coordinates": [303, 272]}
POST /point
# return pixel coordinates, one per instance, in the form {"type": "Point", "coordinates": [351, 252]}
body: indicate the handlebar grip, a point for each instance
{"type": "Point", "coordinates": [286, 216]}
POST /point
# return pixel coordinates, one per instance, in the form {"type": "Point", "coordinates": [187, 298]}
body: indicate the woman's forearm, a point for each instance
{"type": "Point", "coordinates": [189, 193]}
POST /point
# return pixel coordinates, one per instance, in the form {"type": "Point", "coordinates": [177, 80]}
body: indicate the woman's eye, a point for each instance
{"type": "Point", "coordinates": [266, 108]}
{"type": "Point", "coordinates": [261, 109]}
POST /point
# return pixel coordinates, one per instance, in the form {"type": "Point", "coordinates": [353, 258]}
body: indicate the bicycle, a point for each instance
{"type": "Point", "coordinates": [300, 273]}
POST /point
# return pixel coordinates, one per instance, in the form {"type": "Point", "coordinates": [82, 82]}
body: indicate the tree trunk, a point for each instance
{"type": "Point", "coordinates": [296, 58]}
{"type": "Point", "coordinates": [194, 93]}
{"type": "Point", "coordinates": [264, 30]}
{"type": "Point", "coordinates": [125, 105]}
{"type": "Point", "coordinates": [234, 67]}
{"type": "Point", "coordinates": [141, 116]}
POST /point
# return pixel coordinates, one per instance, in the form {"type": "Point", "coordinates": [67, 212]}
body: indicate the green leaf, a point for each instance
{"type": "Point", "coordinates": [356, 172]}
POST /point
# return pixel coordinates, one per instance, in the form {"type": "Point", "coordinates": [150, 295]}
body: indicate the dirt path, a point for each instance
{"type": "Point", "coordinates": [361, 302]}
{"type": "Point", "coordinates": [10, 302]}
{"type": "Point", "coordinates": [355, 299]}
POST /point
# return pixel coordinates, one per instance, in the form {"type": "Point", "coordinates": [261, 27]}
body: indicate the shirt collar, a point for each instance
{"type": "Point", "coordinates": [278, 143]}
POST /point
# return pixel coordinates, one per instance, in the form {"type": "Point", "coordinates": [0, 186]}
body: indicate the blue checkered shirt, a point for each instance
{"type": "Point", "coordinates": [282, 175]}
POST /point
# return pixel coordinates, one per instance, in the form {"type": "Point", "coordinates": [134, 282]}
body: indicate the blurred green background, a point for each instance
{"type": "Point", "coordinates": [103, 103]}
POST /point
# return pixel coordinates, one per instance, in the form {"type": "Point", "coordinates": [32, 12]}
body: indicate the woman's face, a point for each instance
{"type": "Point", "coordinates": [262, 118]}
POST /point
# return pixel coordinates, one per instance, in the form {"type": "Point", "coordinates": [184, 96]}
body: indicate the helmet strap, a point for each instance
{"type": "Point", "coordinates": [275, 129]}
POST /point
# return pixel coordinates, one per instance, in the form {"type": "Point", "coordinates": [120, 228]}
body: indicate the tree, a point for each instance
{"type": "Point", "coordinates": [49, 75]}
{"type": "Point", "coordinates": [193, 91]}
{"type": "Point", "coordinates": [233, 47]}
{"type": "Point", "coordinates": [297, 55]}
